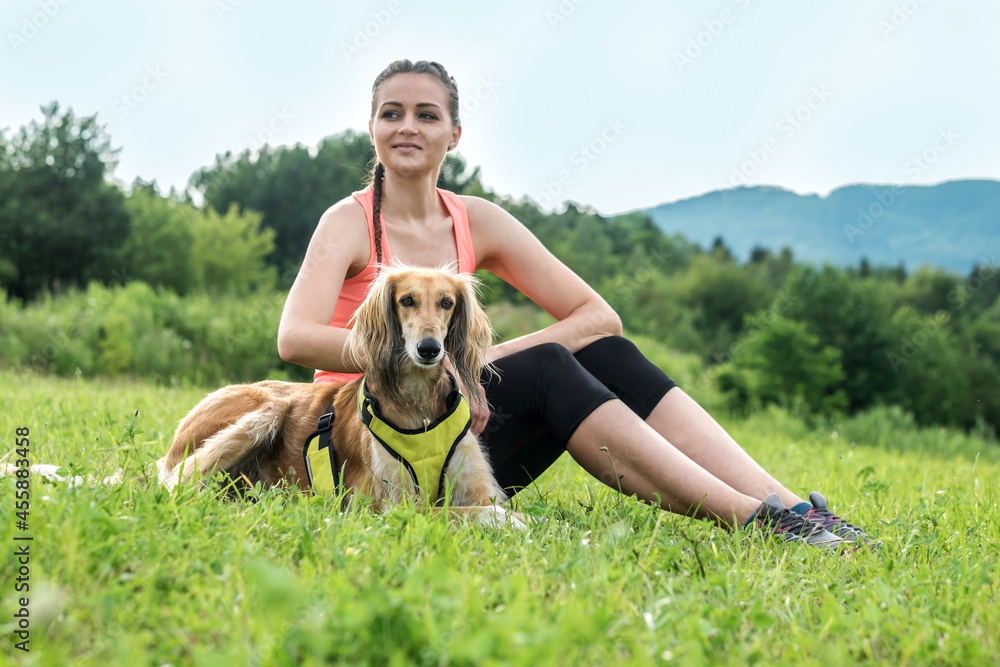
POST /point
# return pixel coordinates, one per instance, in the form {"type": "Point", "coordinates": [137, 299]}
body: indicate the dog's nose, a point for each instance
{"type": "Point", "coordinates": [428, 349]}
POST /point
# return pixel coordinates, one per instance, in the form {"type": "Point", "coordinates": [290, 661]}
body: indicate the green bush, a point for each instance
{"type": "Point", "coordinates": [779, 362]}
{"type": "Point", "coordinates": [135, 330]}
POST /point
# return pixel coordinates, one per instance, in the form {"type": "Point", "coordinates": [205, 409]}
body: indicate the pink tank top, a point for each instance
{"type": "Point", "coordinates": [355, 289]}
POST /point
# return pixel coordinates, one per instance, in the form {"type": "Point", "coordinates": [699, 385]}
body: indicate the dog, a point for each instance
{"type": "Point", "coordinates": [411, 321]}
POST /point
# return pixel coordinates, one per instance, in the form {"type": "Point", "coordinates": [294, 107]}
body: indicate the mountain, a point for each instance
{"type": "Point", "coordinates": [954, 225]}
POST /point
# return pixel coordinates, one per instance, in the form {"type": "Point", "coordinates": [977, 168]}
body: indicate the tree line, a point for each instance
{"type": "Point", "coordinates": [823, 340]}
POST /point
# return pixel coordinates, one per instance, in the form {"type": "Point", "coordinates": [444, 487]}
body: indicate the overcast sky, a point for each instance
{"type": "Point", "coordinates": [617, 105]}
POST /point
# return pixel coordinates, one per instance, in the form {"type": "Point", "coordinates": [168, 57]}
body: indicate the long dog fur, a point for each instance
{"type": "Point", "coordinates": [256, 432]}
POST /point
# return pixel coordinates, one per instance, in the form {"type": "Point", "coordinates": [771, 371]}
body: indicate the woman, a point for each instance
{"type": "Point", "coordinates": [576, 385]}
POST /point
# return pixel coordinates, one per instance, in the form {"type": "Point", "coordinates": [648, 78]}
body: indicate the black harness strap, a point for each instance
{"type": "Point", "coordinates": [324, 430]}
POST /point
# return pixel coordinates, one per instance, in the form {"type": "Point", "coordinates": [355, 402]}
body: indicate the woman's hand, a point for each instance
{"type": "Point", "coordinates": [478, 406]}
{"type": "Point", "coordinates": [480, 411]}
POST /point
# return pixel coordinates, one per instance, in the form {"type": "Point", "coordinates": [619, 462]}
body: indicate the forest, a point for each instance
{"type": "Point", "coordinates": [100, 278]}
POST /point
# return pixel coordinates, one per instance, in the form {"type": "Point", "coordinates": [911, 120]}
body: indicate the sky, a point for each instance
{"type": "Point", "coordinates": [614, 105]}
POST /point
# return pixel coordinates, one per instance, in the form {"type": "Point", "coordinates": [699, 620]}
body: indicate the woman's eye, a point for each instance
{"type": "Point", "coordinates": [428, 115]}
{"type": "Point", "coordinates": [390, 114]}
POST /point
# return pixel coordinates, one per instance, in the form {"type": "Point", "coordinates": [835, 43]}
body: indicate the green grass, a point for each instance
{"type": "Point", "coordinates": [130, 575]}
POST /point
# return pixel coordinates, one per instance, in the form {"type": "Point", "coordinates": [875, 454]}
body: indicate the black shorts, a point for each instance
{"type": "Point", "coordinates": [543, 393]}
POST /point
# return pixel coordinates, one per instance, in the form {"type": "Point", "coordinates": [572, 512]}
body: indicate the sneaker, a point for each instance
{"type": "Point", "coordinates": [821, 515]}
{"type": "Point", "coordinates": [774, 517]}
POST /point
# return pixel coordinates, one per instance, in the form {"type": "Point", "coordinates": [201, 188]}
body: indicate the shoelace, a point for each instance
{"type": "Point", "coordinates": [830, 519]}
{"type": "Point", "coordinates": [788, 521]}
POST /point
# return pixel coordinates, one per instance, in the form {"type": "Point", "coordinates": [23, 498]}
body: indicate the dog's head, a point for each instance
{"type": "Point", "coordinates": [412, 318]}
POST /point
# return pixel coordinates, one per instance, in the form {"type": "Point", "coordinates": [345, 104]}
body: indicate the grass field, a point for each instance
{"type": "Point", "coordinates": [130, 575]}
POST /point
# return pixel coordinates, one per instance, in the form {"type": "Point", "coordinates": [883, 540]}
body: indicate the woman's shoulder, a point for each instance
{"type": "Point", "coordinates": [347, 212]}
{"type": "Point", "coordinates": [340, 242]}
{"type": "Point", "coordinates": [483, 210]}
{"type": "Point", "coordinates": [496, 234]}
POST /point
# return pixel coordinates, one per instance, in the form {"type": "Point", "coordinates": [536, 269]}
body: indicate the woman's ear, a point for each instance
{"type": "Point", "coordinates": [456, 134]}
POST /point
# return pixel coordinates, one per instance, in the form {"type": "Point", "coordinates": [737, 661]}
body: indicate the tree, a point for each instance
{"type": "Point", "coordinates": [853, 316]}
{"type": "Point", "coordinates": [930, 290]}
{"type": "Point", "coordinates": [61, 221]}
{"type": "Point", "coordinates": [778, 361]}
{"type": "Point", "coordinates": [722, 293]}
{"type": "Point", "coordinates": [230, 251]}
{"type": "Point", "coordinates": [290, 186]}
{"type": "Point", "coordinates": [934, 367]}
{"type": "Point", "coordinates": [159, 250]}
{"type": "Point", "coordinates": [456, 177]}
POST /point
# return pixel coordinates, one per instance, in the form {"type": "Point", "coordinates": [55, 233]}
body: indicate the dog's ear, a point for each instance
{"type": "Point", "coordinates": [469, 334]}
{"type": "Point", "coordinates": [377, 335]}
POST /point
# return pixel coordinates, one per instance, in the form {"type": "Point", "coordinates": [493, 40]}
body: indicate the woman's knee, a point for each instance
{"type": "Point", "coordinates": [612, 346]}
{"type": "Point", "coordinates": [625, 370]}
{"type": "Point", "coordinates": [550, 352]}
{"type": "Point", "coordinates": [539, 367]}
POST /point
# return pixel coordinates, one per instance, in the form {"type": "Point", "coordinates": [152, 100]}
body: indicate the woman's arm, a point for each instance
{"type": "Point", "coordinates": [339, 247]}
{"type": "Point", "coordinates": [508, 249]}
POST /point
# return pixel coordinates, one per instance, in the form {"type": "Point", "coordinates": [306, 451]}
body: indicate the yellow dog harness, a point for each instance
{"type": "Point", "coordinates": [424, 452]}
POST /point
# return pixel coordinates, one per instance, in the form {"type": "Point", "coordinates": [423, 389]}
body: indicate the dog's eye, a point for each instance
{"type": "Point", "coordinates": [406, 301]}
{"type": "Point", "coordinates": [447, 303]}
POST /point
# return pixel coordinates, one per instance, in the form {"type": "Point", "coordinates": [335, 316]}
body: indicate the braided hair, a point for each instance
{"type": "Point", "coordinates": [378, 171]}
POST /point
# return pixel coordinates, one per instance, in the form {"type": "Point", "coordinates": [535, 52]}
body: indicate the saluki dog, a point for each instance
{"type": "Point", "coordinates": [410, 323]}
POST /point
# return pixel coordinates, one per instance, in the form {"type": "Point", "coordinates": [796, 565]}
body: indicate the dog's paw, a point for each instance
{"type": "Point", "coordinates": [497, 517]}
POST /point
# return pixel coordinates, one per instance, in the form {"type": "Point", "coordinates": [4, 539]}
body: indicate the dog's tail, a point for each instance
{"type": "Point", "coordinates": [55, 473]}
{"type": "Point", "coordinates": [228, 447]}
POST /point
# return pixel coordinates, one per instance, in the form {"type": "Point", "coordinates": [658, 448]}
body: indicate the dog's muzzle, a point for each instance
{"type": "Point", "coordinates": [428, 350]}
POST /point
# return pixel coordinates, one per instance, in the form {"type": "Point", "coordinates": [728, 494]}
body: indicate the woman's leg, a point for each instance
{"type": "Point", "coordinates": [544, 402]}
{"type": "Point", "coordinates": [626, 453]}
{"type": "Point", "coordinates": [669, 411]}
{"type": "Point", "coordinates": [693, 431]}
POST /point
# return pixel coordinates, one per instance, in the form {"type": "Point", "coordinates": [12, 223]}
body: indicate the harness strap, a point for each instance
{"type": "Point", "coordinates": [324, 477]}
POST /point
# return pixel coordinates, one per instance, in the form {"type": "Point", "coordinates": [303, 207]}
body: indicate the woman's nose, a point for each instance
{"type": "Point", "coordinates": [409, 125]}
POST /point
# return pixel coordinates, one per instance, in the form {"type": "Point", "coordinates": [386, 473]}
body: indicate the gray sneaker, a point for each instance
{"type": "Point", "coordinates": [821, 516]}
{"type": "Point", "coordinates": [775, 518]}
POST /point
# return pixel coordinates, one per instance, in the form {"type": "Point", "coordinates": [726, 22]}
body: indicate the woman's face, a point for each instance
{"type": "Point", "coordinates": [412, 129]}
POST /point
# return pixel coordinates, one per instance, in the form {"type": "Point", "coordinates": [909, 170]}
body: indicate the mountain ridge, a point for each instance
{"type": "Point", "coordinates": [953, 225]}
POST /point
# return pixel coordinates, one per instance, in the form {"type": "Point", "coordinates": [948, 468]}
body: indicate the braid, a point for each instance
{"type": "Point", "coordinates": [378, 175]}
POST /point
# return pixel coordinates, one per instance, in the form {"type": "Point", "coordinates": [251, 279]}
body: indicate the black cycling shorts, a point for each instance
{"type": "Point", "coordinates": [543, 393]}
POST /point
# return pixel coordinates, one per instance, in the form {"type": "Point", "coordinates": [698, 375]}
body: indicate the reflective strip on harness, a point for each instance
{"type": "Point", "coordinates": [425, 452]}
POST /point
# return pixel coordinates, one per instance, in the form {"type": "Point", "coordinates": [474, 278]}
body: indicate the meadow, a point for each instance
{"type": "Point", "coordinates": [132, 575]}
